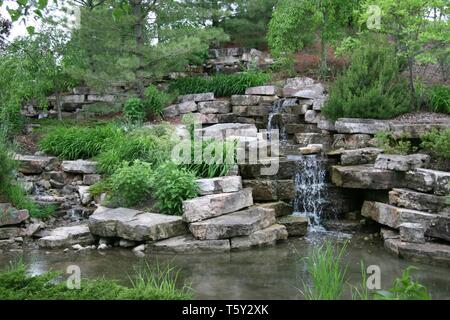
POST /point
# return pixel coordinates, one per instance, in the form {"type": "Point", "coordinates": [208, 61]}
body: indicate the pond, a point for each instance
{"type": "Point", "coordinates": [276, 272]}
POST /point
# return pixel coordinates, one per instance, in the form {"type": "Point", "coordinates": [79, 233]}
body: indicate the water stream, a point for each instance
{"type": "Point", "coordinates": [277, 107]}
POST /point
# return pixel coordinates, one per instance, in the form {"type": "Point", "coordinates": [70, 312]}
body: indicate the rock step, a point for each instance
{"type": "Point", "coordinates": [79, 166]}
{"type": "Point", "coordinates": [426, 180]}
{"type": "Point", "coordinates": [414, 200]}
{"type": "Point", "coordinates": [29, 164]}
{"type": "Point", "coordinates": [429, 252]}
{"type": "Point", "coordinates": [267, 236]}
{"type": "Point", "coordinates": [223, 130]}
{"type": "Point", "coordinates": [360, 156]}
{"type": "Point", "coordinates": [188, 244]}
{"type": "Point", "coordinates": [281, 208]}
{"type": "Point", "coordinates": [366, 177]}
{"type": "Point", "coordinates": [241, 223]}
{"type": "Point", "coordinates": [436, 225]}
{"type": "Point", "coordinates": [296, 226]}
{"type": "Point", "coordinates": [10, 216]}
{"type": "Point", "coordinates": [67, 236]}
{"type": "Point", "coordinates": [136, 225]}
{"type": "Point", "coordinates": [215, 205]}
{"type": "Point", "coordinates": [401, 163]}
{"type": "Point", "coordinates": [219, 185]}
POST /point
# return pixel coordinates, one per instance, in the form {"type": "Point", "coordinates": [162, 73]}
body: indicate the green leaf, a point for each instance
{"type": "Point", "coordinates": [42, 4]}
{"type": "Point", "coordinates": [30, 30]}
{"type": "Point", "coordinates": [22, 2]}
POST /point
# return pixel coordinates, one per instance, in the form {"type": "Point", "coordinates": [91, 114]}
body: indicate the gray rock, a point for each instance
{"type": "Point", "coordinates": [151, 227]}
{"type": "Point", "coordinates": [218, 106]}
{"type": "Point", "coordinates": [271, 190]}
{"type": "Point", "coordinates": [296, 226]}
{"type": "Point", "coordinates": [171, 111]}
{"type": "Point", "coordinates": [319, 103]}
{"type": "Point", "coordinates": [85, 195]}
{"type": "Point", "coordinates": [267, 236]}
{"type": "Point", "coordinates": [400, 162]}
{"type": "Point", "coordinates": [311, 116]}
{"type": "Point", "coordinates": [11, 216]}
{"type": "Point", "coordinates": [219, 185]}
{"type": "Point", "coordinates": [31, 229]}
{"type": "Point", "coordinates": [104, 224]}
{"type": "Point", "coordinates": [263, 91]}
{"type": "Point", "coordinates": [382, 213]}
{"type": "Point", "coordinates": [366, 126]}
{"type": "Point", "coordinates": [235, 224]}
{"type": "Point", "coordinates": [429, 181]}
{"type": "Point", "coordinates": [366, 177]}
{"type": "Point", "coordinates": [123, 243]}
{"type": "Point", "coordinates": [187, 107]}
{"type": "Point", "coordinates": [313, 91]}
{"type": "Point", "coordinates": [216, 204]}
{"type": "Point", "coordinates": [303, 139]}
{"type": "Point", "coordinates": [402, 129]}
{"type": "Point", "coordinates": [79, 166]}
{"type": "Point", "coordinates": [245, 100]}
{"type": "Point", "coordinates": [196, 97]}
{"type": "Point", "coordinates": [360, 156]}
{"type": "Point", "coordinates": [351, 141]}
{"type": "Point", "coordinates": [35, 164]}
{"type": "Point", "coordinates": [240, 110]}
{"type": "Point", "coordinates": [224, 130]}
{"type": "Point", "coordinates": [90, 179]}
{"type": "Point", "coordinates": [325, 124]}
{"type": "Point", "coordinates": [412, 232]}
{"type": "Point", "coordinates": [281, 208]}
{"type": "Point", "coordinates": [298, 82]}
{"type": "Point", "coordinates": [67, 236]}
{"type": "Point", "coordinates": [414, 200]}
{"type": "Point", "coordinates": [311, 149]}
{"type": "Point", "coordinates": [9, 232]}
{"type": "Point", "coordinates": [109, 98]}
{"type": "Point", "coordinates": [188, 244]}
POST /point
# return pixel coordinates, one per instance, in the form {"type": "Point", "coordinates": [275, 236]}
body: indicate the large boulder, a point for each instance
{"type": "Point", "coordinates": [263, 91]}
{"type": "Point", "coordinates": [218, 106]}
{"type": "Point", "coordinates": [400, 162]}
{"type": "Point", "coordinates": [359, 156]}
{"type": "Point", "coordinates": [226, 130]}
{"type": "Point", "coordinates": [427, 180]}
{"type": "Point", "coordinates": [271, 190]}
{"type": "Point", "coordinates": [196, 97]}
{"type": "Point", "coordinates": [79, 166]}
{"type": "Point", "coordinates": [219, 185]}
{"type": "Point", "coordinates": [245, 100]}
{"type": "Point", "coordinates": [365, 126]}
{"type": "Point", "coordinates": [414, 200]}
{"type": "Point", "coordinates": [35, 164]}
{"type": "Point", "coordinates": [151, 227]}
{"type": "Point", "coordinates": [267, 236]}
{"type": "Point", "coordinates": [366, 177]}
{"type": "Point", "coordinates": [104, 223]}
{"type": "Point", "coordinates": [382, 213]}
{"type": "Point", "coordinates": [313, 91]}
{"type": "Point", "coordinates": [241, 223]}
{"type": "Point", "coordinates": [214, 205]}
{"type": "Point", "coordinates": [187, 107]}
{"type": "Point", "coordinates": [296, 226]}
{"type": "Point", "coordinates": [67, 236]}
{"type": "Point", "coordinates": [351, 141]}
{"type": "Point", "coordinates": [171, 111]}
{"type": "Point", "coordinates": [11, 216]}
{"type": "Point", "coordinates": [281, 208]}
{"type": "Point", "coordinates": [188, 244]}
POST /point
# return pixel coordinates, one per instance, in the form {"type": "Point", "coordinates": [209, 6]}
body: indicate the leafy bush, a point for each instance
{"type": "Point", "coordinates": [371, 87]}
{"type": "Point", "coordinates": [130, 184]}
{"type": "Point", "coordinates": [71, 143]}
{"type": "Point", "coordinates": [7, 164]}
{"type": "Point", "coordinates": [134, 110]}
{"type": "Point", "coordinates": [404, 288]}
{"type": "Point", "coordinates": [393, 145]}
{"type": "Point", "coordinates": [438, 141]}
{"type": "Point", "coordinates": [172, 185]}
{"type": "Point", "coordinates": [146, 284]}
{"type": "Point", "coordinates": [155, 100]}
{"type": "Point", "coordinates": [138, 145]}
{"type": "Point", "coordinates": [222, 85]}
{"type": "Point", "coordinates": [439, 98]}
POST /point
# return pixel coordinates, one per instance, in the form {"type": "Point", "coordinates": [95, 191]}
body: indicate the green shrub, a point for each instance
{"type": "Point", "coordinates": [371, 87]}
{"type": "Point", "coordinates": [393, 145]}
{"type": "Point", "coordinates": [71, 143]}
{"type": "Point", "coordinates": [134, 110]}
{"type": "Point", "coordinates": [7, 164]}
{"type": "Point", "coordinates": [439, 98]}
{"type": "Point", "coordinates": [130, 184]}
{"type": "Point", "coordinates": [438, 141]}
{"type": "Point", "coordinates": [172, 185]}
{"type": "Point", "coordinates": [404, 288]}
{"type": "Point", "coordinates": [138, 145]}
{"type": "Point", "coordinates": [222, 85]}
{"type": "Point", "coordinates": [149, 283]}
{"type": "Point", "coordinates": [155, 100]}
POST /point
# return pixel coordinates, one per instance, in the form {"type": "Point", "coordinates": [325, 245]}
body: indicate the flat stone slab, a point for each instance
{"type": "Point", "coordinates": [67, 236]}
{"type": "Point", "coordinates": [241, 223]}
{"type": "Point", "coordinates": [217, 106]}
{"type": "Point", "coordinates": [263, 91]}
{"type": "Point", "coordinates": [351, 141]}
{"type": "Point", "coordinates": [271, 190]}
{"type": "Point", "coordinates": [219, 185]}
{"type": "Point", "coordinates": [35, 164]}
{"type": "Point", "coordinates": [281, 208]}
{"type": "Point", "coordinates": [366, 126]}
{"type": "Point", "coordinates": [400, 162]}
{"type": "Point", "coordinates": [214, 205]}
{"type": "Point", "coordinates": [429, 252]}
{"type": "Point", "coordinates": [187, 107]}
{"type": "Point", "coordinates": [427, 180]}
{"type": "Point", "coordinates": [104, 223]}
{"type": "Point", "coordinates": [267, 236]}
{"type": "Point", "coordinates": [79, 166]}
{"type": "Point", "coordinates": [366, 177]}
{"type": "Point", "coordinates": [11, 216]}
{"type": "Point", "coordinates": [414, 200]}
{"type": "Point", "coordinates": [151, 227]}
{"type": "Point", "coordinates": [412, 232]}
{"type": "Point", "coordinates": [224, 130]}
{"type": "Point", "coordinates": [360, 156]}
{"type": "Point", "coordinates": [313, 91]}
{"type": "Point", "coordinates": [196, 97]}
{"type": "Point", "coordinates": [188, 244]}
{"type": "Point", "coordinates": [9, 232]}
{"type": "Point", "coordinates": [245, 100]}
{"type": "Point", "coordinates": [296, 226]}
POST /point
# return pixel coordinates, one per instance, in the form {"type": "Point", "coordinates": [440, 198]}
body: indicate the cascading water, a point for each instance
{"type": "Point", "coordinates": [277, 109]}
{"type": "Point", "coordinates": [310, 189]}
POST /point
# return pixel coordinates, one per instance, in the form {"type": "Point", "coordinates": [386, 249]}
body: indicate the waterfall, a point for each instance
{"type": "Point", "coordinates": [277, 108]}
{"type": "Point", "coordinates": [310, 190]}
